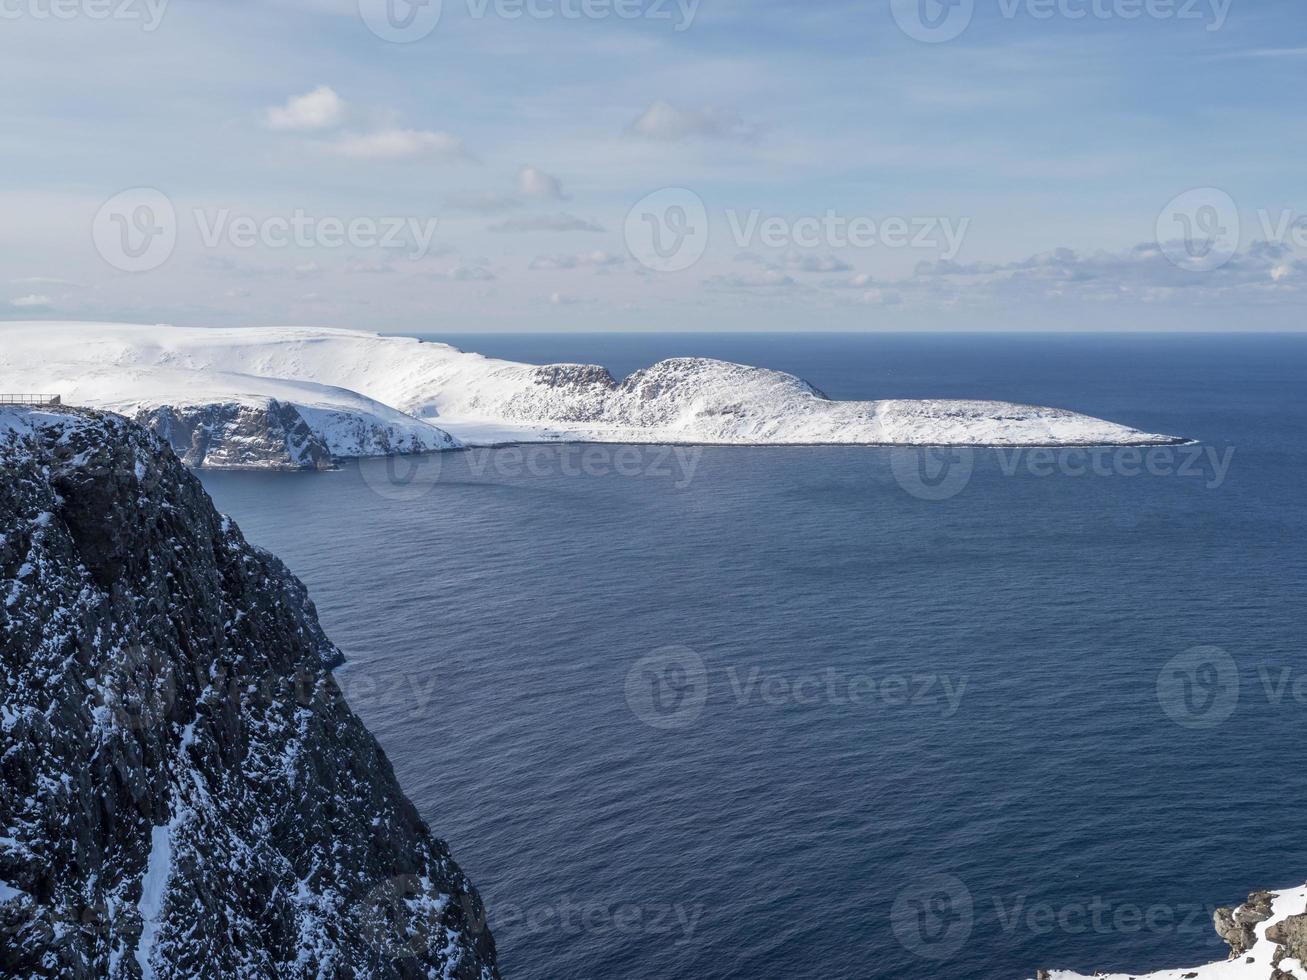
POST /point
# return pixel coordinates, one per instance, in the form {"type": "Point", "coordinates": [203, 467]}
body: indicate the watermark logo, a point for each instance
{"type": "Point", "coordinates": [941, 473]}
{"type": "Point", "coordinates": [137, 686]}
{"type": "Point", "coordinates": [408, 478]}
{"type": "Point", "coordinates": [136, 230]}
{"type": "Point", "coordinates": [402, 478]}
{"type": "Point", "coordinates": [1199, 689]}
{"type": "Point", "coordinates": [401, 21]}
{"type": "Point", "coordinates": [668, 688]}
{"type": "Point", "coordinates": [1198, 231]}
{"type": "Point", "coordinates": [933, 472]}
{"type": "Point", "coordinates": [933, 21]}
{"type": "Point", "coordinates": [401, 917]}
{"type": "Point", "coordinates": [834, 230]}
{"type": "Point", "coordinates": [149, 13]}
{"type": "Point", "coordinates": [667, 231]}
{"type": "Point", "coordinates": [406, 21]}
{"type": "Point", "coordinates": [933, 917]}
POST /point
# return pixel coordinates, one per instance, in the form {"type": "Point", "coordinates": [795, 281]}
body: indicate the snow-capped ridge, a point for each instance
{"type": "Point", "coordinates": [418, 395]}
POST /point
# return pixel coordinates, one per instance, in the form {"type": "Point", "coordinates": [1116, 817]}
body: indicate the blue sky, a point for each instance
{"type": "Point", "coordinates": [1031, 164]}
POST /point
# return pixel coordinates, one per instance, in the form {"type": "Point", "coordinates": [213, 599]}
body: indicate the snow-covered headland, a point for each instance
{"type": "Point", "coordinates": [1267, 937]}
{"type": "Point", "coordinates": [302, 397]}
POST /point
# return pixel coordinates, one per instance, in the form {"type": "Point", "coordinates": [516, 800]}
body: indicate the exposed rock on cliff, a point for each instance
{"type": "Point", "coordinates": [1267, 937]}
{"type": "Point", "coordinates": [183, 791]}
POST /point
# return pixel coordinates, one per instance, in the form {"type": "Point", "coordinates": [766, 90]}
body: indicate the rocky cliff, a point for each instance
{"type": "Point", "coordinates": [183, 791]}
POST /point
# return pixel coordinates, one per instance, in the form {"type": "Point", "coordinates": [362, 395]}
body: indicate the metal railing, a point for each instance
{"type": "Point", "coordinates": [29, 400]}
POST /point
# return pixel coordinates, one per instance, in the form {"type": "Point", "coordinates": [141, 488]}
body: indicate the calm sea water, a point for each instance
{"type": "Point", "coordinates": [1046, 720]}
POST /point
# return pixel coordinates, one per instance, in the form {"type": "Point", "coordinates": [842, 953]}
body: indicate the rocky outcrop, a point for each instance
{"type": "Point", "coordinates": [277, 435]}
{"type": "Point", "coordinates": [1267, 937]}
{"type": "Point", "coordinates": [183, 790]}
{"type": "Point", "coordinates": [234, 436]}
{"type": "Point", "coordinates": [1237, 926]}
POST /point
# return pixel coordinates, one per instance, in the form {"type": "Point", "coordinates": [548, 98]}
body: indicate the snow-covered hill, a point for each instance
{"type": "Point", "coordinates": [1267, 937]}
{"type": "Point", "coordinates": [360, 393]}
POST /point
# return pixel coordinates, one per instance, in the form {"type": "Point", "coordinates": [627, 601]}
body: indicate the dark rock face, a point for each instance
{"type": "Point", "coordinates": [236, 436]}
{"type": "Point", "coordinates": [183, 791]}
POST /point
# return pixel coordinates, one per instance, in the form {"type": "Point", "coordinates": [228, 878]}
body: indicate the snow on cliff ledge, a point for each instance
{"type": "Point", "coordinates": [1267, 937]}
{"type": "Point", "coordinates": [362, 394]}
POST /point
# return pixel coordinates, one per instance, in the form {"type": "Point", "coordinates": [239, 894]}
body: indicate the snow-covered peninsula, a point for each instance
{"type": "Point", "coordinates": [303, 397]}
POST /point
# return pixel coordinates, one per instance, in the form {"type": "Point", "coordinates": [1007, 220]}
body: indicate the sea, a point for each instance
{"type": "Point", "coordinates": [845, 712]}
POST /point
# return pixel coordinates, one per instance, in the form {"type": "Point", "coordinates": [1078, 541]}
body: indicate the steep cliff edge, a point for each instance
{"type": "Point", "coordinates": [183, 791]}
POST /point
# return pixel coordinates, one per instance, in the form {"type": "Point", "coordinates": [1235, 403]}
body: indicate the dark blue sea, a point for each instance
{"type": "Point", "coordinates": [837, 712]}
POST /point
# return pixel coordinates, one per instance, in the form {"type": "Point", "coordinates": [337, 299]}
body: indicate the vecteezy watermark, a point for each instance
{"type": "Point", "coordinates": [669, 688]}
{"type": "Point", "coordinates": [669, 230]}
{"type": "Point", "coordinates": [136, 688]}
{"type": "Point", "coordinates": [1199, 689]}
{"type": "Point", "coordinates": [407, 915]}
{"type": "Point", "coordinates": [933, 472]}
{"type": "Point", "coordinates": [938, 692]}
{"type": "Point", "coordinates": [406, 21]}
{"type": "Point", "coordinates": [148, 13]}
{"type": "Point", "coordinates": [1199, 229]}
{"type": "Point", "coordinates": [937, 21]}
{"type": "Point", "coordinates": [943, 472]}
{"type": "Point", "coordinates": [932, 917]}
{"type": "Point", "coordinates": [137, 230]}
{"type": "Point", "coordinates": [676, 464]}
{"type": "Point", "coordinates": [568, 916]}
{"type": "Point", "coordinates": [302, 230]}
{"type": "Point", "coordinates": [410, 478]}
{"type": "Point", "coordinates": [934, 914]}
{"type": "Point", "coordinates": [1286, 227]}
{"type": "Point", "coordinates": [834, 230]}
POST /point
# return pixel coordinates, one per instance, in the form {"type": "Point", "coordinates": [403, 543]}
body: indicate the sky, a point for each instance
{"type": "Point", "coordinates": [523, 165]}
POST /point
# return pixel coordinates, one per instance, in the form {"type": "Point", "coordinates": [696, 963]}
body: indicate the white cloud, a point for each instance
{"type": "Point", "coordinates": [320, 109]}
{"type": "Point", "coordinates": [769, 279]}
{"type": "Point", "coordinates": [880, 297]}
{"type": "Point", "coordinates": [483, 202]}
{"type": "Point", "coordinates": [562, 299]}
{"type": "Point", "coordinates": [597, 259]}
{"type": "Point", "coordinates": [798, 262]}
{"type": "Point", "coordinates": [400, 144]}
{"type": "Point", "coordinates": [861, 281]}
{"type": "Point", "coordinates": [47, 281]}
{"type": "Point", "coordinates": [666, 122]}
{"type": "Point", "coordinates": [1265, 271]}
{"type": "Point", "coordinates": [536, 183]}
{"type": "Point", "coordinates": [33, 301]}
{"type": "Point", "coordinates": [548, 222]}
{"type": "Point", "coordinates": [470, 273]}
